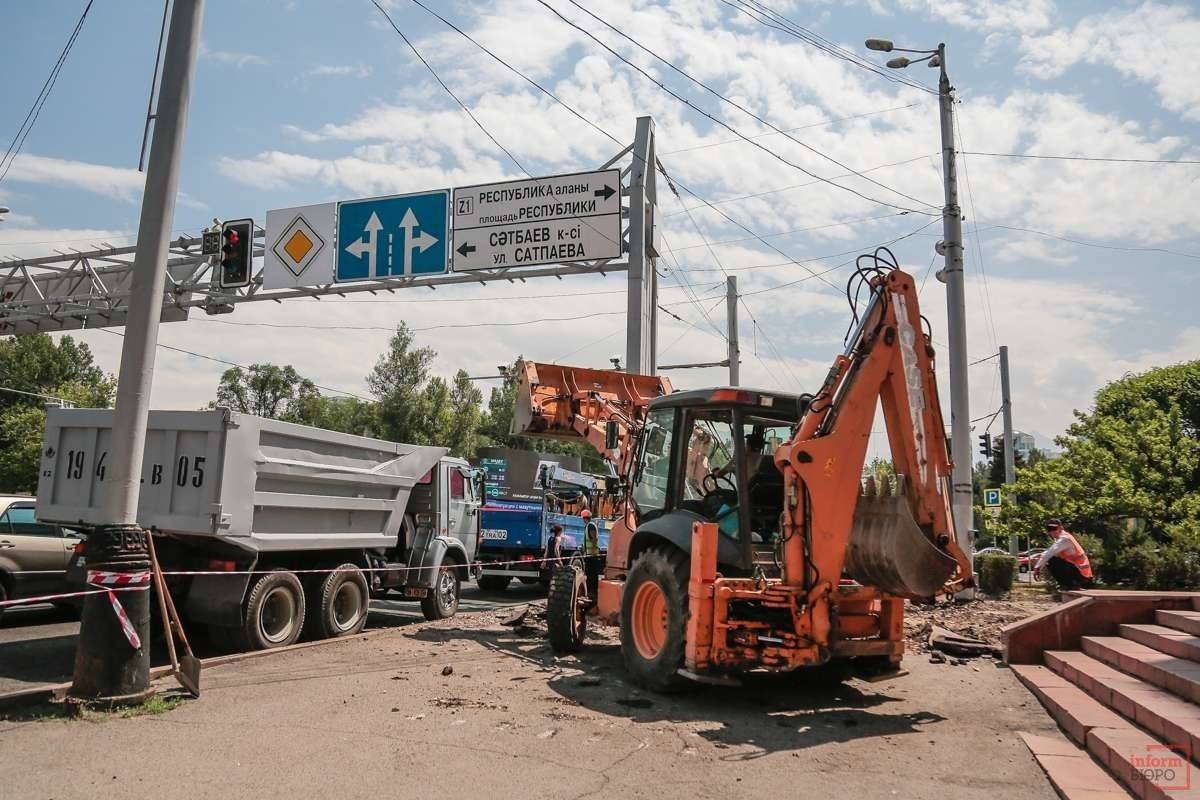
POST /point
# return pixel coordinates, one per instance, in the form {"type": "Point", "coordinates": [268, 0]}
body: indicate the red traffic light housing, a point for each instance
{"type": "Point", "coordinates": [237, 240]}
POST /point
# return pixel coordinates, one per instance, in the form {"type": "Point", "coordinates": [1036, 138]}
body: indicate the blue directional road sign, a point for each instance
{"type": "Point", "coordinates": [393, 237]}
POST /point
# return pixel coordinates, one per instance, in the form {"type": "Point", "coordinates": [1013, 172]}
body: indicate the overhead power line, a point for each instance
{"type": "Point", "coordinates": [1184, 161]}
{"type": "Point", "coordinates": [770, 18]}
{"type": "Point", "coordinates": [821, 124]}
{"type": "Point", "coordinates": [35, 110]}
{"type": "Point", "coordinates": [718, 121]}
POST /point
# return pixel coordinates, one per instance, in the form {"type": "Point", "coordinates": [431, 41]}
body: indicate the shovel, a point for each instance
{"type": "Point", "coordinates": [187, 668]}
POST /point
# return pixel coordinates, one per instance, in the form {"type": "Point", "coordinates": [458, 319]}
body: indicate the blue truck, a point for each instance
{"type": "Point", "coordinates": [526, 494]}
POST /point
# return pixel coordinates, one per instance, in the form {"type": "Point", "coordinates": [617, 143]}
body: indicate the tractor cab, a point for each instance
{"type": "Point", "coordinates": [707, 455]}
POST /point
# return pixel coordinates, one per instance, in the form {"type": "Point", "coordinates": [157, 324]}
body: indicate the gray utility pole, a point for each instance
{"type": "Point", "coordinates": [641, 338]}
{"type": "Point", "coordinates": [956, 317]}
{"type": "Point", "coordinates": [107, 666]}
{"type": "Point", "coordinates": [731, 320]}
{"type": "Point", "coordinates": [1010, 465]}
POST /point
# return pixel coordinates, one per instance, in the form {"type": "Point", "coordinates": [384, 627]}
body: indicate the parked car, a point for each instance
{"type": "Point", "coordinates": [33, 555]}
{"type": "Point", "coordinates": [1027, 559]}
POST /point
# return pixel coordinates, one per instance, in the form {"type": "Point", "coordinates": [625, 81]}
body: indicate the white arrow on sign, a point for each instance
{"type": "Point", "coordinates": [368, 244]}
{"type": "Point", "coordinates": [421, 241]}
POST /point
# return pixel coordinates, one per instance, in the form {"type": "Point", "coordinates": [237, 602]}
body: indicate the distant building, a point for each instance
{"type": "Point", "coordinates": [1023, 445]}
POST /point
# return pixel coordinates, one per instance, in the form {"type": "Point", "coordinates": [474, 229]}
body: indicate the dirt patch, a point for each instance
{"type": "Point", "coordinates": [981, 618]}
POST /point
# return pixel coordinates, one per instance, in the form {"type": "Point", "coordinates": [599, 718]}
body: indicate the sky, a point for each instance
{"type": "Point", "coordinates": [1082, 268]}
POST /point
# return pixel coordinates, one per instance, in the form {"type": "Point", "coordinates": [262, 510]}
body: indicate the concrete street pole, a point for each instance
{"type": "Point", "coordinates": [107, 667]}
{"type": "Point", "coordinates": [956, 307]}
{"type": "Point", "coordinates": [1010, 464]}
{"type": "Point", "coordinates": [731, 321]}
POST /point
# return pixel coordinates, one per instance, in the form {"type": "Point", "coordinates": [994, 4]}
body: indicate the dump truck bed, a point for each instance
{"type": "Point", "coordinates": [256, 483]}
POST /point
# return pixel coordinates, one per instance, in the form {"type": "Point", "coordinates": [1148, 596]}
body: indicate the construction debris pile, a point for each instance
{"type": "Point", "coordinates": [958, 630]}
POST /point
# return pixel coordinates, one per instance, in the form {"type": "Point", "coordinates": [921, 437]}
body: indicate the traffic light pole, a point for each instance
{"type": "Point", "coordinates": [956, 307]}
{"type": "Point", "coordinates": [1010, 464]}
{"type": "Point", "coordinates": [107, 665]}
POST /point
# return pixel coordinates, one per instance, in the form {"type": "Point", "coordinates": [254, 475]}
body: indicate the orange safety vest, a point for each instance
{"type": "Point", "coordinates": [1074, 555]}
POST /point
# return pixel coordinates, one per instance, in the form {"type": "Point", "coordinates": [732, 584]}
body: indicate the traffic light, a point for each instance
{"type": "Point", "coordinates": [237, 239]}
{"type": "Point", "coordinates": [985, 445]}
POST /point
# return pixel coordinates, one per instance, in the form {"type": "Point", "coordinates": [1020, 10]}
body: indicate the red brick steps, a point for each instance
{"type": "Point", "coordinates": [1132, 700]}
{"type": "Point", "coordinates": [1186, 621]}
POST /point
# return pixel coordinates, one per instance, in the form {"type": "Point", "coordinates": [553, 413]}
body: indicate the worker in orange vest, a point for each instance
{"type": "Point", "coordinates": [1065, 559]}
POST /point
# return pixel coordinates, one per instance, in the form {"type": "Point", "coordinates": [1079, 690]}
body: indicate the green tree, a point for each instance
{"type": "Point", "coordinates": [398, 382]}
{"type": "Point", "coordinates": [266, 390]}
{"type": "Point", "coordinates": [1128, 479]}
{"type": "Point", "coordinates": [343, 414]}
{"type": "Point", "coordinates": [462, 434]}
{"type": "Point", "coordinates": [36, 363]}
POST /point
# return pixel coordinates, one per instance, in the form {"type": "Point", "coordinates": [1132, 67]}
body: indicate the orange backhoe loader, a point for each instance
{"type": "Point", "coordinates": [748, 539]}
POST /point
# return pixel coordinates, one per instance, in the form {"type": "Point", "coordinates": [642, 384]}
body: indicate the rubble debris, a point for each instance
{"type": "Point", "coordinates": [447, 670]}
{"type": "Point", "coordinates": [958, 645]}
{"type": "Point", "coordinates": [517, 617]}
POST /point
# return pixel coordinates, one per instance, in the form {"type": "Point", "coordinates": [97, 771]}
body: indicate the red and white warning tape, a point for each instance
{"type": "Point", "coordinates": [107, 580]}
{"type": "Point", "coordinates": [111, 582]}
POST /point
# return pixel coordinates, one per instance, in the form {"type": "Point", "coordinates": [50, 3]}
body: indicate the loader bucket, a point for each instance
{"type": "Point", "coordinates": [559, 402]}
{"type": "Point", "coordinates": [887, 548]}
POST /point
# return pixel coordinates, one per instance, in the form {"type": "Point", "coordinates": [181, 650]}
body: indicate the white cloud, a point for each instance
{"type": "Point", "coordinates": [29, 242]}
{"type": "Point", "coordinates": [1153, 43]}
{"type": "Point", "coordinates": [988, 15]}
{"type": "Point", "coordinates": [238, 60]}
{"type": "Point", "coordinates": [340, 70]}
{"type": "Point", "coordinates": [123, 183]}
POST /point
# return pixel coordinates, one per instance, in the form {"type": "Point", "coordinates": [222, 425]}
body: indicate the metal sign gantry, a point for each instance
{"type": "Point", "coordinates": [85, 289]}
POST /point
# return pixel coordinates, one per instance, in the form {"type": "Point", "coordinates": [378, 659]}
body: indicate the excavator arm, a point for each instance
{"type": "Point", "coordinates": [898, 537]}
{"type": "Point", "coordinates": [576, 403]}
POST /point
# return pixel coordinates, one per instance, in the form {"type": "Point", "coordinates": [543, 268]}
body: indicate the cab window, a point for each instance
{"type": "Point", "coordinates": [654, 468]}
{"type": "Point", "coordinates": [458, 485]}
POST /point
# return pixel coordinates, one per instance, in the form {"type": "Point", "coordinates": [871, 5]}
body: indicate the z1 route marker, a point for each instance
{"type": "Point", "coordinates": [552, 220]}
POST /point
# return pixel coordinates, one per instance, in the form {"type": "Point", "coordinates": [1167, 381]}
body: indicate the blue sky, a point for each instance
{"type": "Point", "coordinates": [305, 101]}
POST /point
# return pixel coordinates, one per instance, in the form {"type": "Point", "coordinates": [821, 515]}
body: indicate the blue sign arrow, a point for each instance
{"type": "Point", "coordinates": [392, 237]}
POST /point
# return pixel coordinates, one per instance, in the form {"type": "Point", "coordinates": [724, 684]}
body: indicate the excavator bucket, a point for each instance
{"type": "Point", "coordinates": [887, 548]}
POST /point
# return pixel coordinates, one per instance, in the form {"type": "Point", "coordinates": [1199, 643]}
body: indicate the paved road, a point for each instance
{"type": "Point", "coordinates": [37, 643]}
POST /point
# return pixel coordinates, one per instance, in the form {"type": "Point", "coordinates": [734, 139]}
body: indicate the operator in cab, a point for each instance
{"type": "Point", "coordinates": [1065, 559]}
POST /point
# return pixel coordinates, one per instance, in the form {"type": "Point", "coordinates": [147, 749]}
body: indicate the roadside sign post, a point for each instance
{"type": "Point", "coordinates": [991, 502]}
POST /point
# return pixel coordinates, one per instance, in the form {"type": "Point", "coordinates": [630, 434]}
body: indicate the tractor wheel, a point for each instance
{"type": "Point", "coordinates": [493, 583]}
{"type": "Point", "coordinates": [566, 610]}
{"type": "Point", "coordinates": [654, 613]}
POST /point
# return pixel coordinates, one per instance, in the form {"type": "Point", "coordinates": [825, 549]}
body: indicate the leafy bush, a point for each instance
{"type": "Point", "coordinates": [997, 571]}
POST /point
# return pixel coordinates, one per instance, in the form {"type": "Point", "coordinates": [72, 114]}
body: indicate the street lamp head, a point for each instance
{"type": "Point", "coordinates": [4, 209]}
{"type": "Point", "coordinates": [934, 62]}
{"type": "Point", "coordinates": [881, 45]}
{"type": "Point", "coordinates": [898, 63]}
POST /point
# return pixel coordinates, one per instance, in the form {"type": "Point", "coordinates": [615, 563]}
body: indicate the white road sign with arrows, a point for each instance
{"type": "Point", "coordinates": [553, 220]}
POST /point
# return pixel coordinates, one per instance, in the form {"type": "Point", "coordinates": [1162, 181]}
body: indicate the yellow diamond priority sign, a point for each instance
{"type": "Point", "coordinates": [300, 248]}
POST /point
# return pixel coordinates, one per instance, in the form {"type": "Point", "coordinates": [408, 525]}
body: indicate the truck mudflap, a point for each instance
{"type": "Point", "coordinates": [217, 599]}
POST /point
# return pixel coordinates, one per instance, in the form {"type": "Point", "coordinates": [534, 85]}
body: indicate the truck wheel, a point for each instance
{"type": "Point", "coordinates": [274, 611]}
{"type": "Point", "coordinates": [494, 583]}
{"type": "Point", "coordinates": [566, 610]}
{"type": "Point", "coordinates": [654, 612]}
{"type": "Point", "coordinates": [342, 599]}
{"type": "Point", "coordinates": [442, 600]}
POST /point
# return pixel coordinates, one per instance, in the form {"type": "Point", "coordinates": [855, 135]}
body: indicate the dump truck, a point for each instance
{"type": "Point", "coordinates": [747, 539]}
{"type": "Point", "coordinates": [270, 530]}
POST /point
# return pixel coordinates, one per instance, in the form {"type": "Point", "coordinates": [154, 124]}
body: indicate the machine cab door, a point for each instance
{"type": "Point", "coordinates": [462, 517]}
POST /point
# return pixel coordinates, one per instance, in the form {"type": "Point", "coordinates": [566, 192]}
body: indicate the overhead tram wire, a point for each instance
{"type": "Point", "coordinates": [235, 364]}
{"type": "Point", "coordinates": [761, 120]}
{"type": "Point", "coordinates": [671, 182]}
{"type": "Point", "coordinates": [35, 110]}
{"type": "Point", "coordinates": [764, 193]}
{"type": "Point", "coordinates": [1099, 159]}
{"type": "Point", "coordinates": [990, 314]}
{"type": "Point", "coordinates": [718, 121]}
{"type": "Point", "coordinates": [680, 276]}
{"type": "Point", "coordinates": [822, 124]}
{"type": "Point", "coordinates": [773, 19]}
